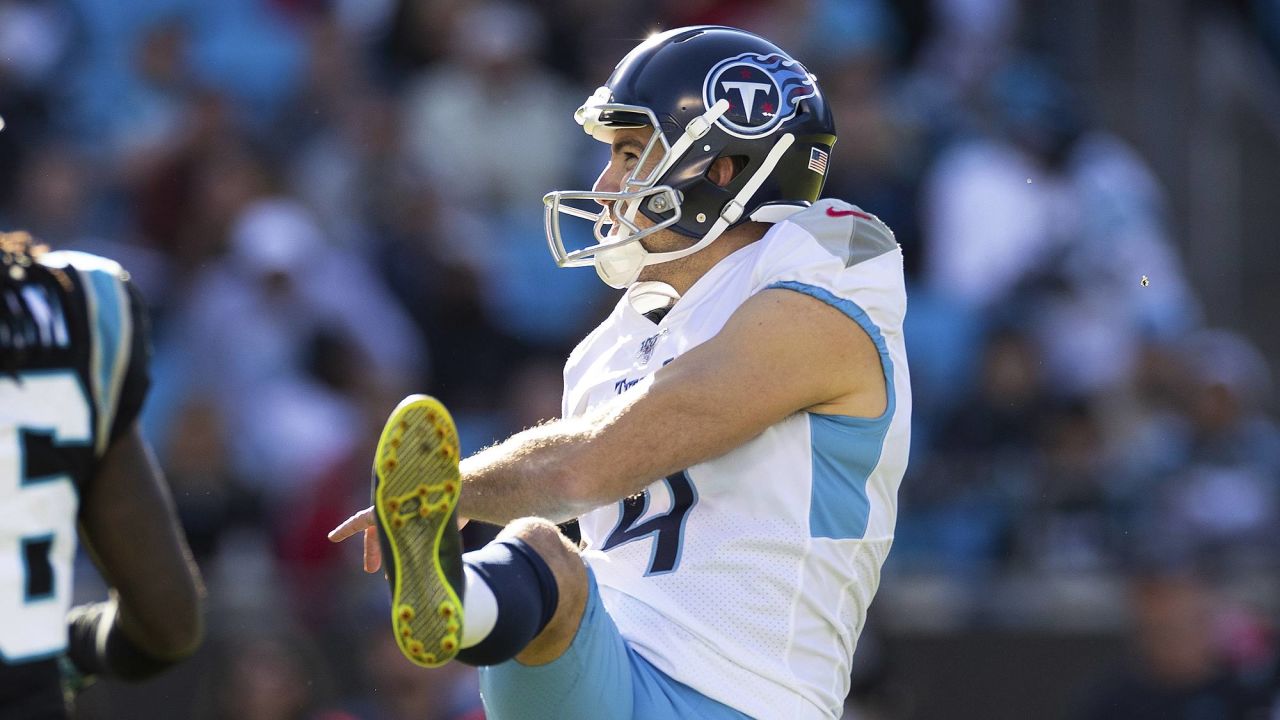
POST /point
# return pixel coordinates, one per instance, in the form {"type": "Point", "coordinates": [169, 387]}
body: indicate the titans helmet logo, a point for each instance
{"type": "Point", "coordinates": [762, 90]}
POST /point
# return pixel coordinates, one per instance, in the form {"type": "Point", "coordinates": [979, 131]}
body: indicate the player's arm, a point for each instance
{"type": "Point", "coordinates": [129, 525]}
{"type": "Point", "coordinates": [780, 353]}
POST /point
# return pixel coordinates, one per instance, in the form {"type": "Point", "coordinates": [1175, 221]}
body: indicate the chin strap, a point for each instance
{"type": "Point", "coordinates": [620, 266]}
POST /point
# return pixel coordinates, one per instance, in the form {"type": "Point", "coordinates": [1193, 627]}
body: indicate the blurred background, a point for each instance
{"type": "Point", "coordinates": [331, 203]}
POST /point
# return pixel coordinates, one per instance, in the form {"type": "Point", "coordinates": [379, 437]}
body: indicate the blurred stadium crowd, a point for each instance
{"type": "Point", "coordinates": [331, 203]}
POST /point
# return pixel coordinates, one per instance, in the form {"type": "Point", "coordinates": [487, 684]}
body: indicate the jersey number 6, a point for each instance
{"type": "Point", "coordinates": [667, 528]}
{"type": "Point", "coordinates": [37, 514]}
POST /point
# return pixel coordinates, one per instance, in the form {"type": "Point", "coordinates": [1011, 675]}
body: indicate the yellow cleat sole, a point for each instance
{"type": "Point", "coordinates": [416, 487]}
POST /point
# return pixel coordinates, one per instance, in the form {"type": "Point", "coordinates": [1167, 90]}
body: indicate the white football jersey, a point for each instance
{"type": "Point", "coordinates": [748, 577]}
{"type": "Point", "coordinates": [59, 410]}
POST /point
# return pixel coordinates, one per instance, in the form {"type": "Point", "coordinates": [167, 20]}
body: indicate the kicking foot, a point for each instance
{"type": "Point", "coordinates": [415, 493]}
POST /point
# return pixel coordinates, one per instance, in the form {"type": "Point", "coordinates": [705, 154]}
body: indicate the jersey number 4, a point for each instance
{"type": "Point", "coordinates": [667, 528]}
{"type": "Point", "coordinates": [37, 514]}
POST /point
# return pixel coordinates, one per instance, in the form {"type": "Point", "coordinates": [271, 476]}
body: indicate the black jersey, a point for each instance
{"type": "Point", "coordinates": [73, 374]}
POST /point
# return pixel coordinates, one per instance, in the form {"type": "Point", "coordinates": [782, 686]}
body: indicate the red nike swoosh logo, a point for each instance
{"type": "Point", "coordinates": [832, 212]}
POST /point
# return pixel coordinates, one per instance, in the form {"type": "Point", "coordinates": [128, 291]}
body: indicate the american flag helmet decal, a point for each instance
{"type": "Point", "coordinates": [818, 160]}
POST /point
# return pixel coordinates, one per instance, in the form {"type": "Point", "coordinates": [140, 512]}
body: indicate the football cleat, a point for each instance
{"type": "Point", "coordinates": [415, 493]}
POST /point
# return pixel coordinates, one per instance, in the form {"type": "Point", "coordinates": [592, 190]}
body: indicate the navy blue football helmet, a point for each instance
{"type": "Point", "coordinates": [711, 92]}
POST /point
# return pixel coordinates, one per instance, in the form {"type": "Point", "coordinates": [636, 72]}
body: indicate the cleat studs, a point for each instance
{"type": "Point", "coordinates": [393, 505]}
{"type": "Point", "coordinates": [389, 465]}
{"type": "Point", "coordinates": [428, 657]}
{"type": "Point", "coordinates": [449, 643]}
{"type": "Point", "coordinates": [406, 632]}
{"type": "Point", "coordinates": [446, 609]}
{"type": "Point", "coordinates": [406, 613]}
{"type": "Point", "coordinates": [450, 487]}
{"type": "Point", "coordinates": [416, 647]}
{"type": "Point", "coordinates": [424, 510]}
{"type": "Point", "coordinates": [446, 452]}
{"type": "Point", "coordinates": [397, 523]}
{"type": "Point", "coordinates": [453, 628]}
{"type": "Point", "coordinates": [423, 490]}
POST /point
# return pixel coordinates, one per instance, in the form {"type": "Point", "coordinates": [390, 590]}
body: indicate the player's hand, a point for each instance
{"type": "Point", "coordinates": [362, 522]}
{"type": "Point", "coordinates": [365, 521]}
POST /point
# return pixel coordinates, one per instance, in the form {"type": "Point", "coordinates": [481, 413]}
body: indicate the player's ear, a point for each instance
{"type": "Point", "coordinates": [724, 169]}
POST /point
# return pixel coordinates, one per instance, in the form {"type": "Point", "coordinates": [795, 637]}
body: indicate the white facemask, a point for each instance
{"type": "Point", "coordinates": [618, 255]}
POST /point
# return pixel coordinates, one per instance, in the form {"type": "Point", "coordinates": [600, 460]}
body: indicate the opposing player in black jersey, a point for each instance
{"type": "Point", "coordinates": [73, 374]}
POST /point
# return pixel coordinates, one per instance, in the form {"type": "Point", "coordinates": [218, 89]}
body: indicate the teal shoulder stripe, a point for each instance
{"type": "Point", "coordinates": [845, 449]}
{"type": "Point", "coordinates": [110, 324]}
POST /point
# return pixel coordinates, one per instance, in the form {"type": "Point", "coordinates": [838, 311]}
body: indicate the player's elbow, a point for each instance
{"type": "Point", "coordinates": [183, 641]}
{"type": "Point", "coordinates": [183, 637]}
{"type": "Point", "coordinates": [179, 631]}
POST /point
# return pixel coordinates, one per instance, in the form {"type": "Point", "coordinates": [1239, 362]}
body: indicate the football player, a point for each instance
{"type": "Point", "coordinates": [732, 435]}
{"type": "Point", "coordinates": [73, 374]}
